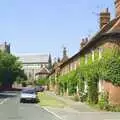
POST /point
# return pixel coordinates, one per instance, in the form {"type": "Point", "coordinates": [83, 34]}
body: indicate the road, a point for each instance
{"type": "Point", "coordinates": [11, 109]}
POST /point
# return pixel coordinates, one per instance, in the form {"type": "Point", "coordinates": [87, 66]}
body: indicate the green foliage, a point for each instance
{"type": "Point", "coordinates": [76, 98]}
{"type": "Point", "coordinates": [107, 68]}
{"type": "Point", "coordinates": [82, 60]}
{"type": "Point", "coordinates": [90, 73]}
{"type": "Point", "coordinates": [24, 84]}
{"type": "Point", "coordinates": [63, 83]}
{"type": "Point", "coordinates": [10, 69]}
{"type": "Point", "coordinates": [52, 80]}
{"type": "Point", "coordinates": [112, 73]}
{"type": "Point", "coordinates": [68, 81]}
{"type": "Point", "coordinates": [81, 85]}
{"type": "Point", "coordinates": [103, 101]}
{"type": "Point", "coordinates": [83, 96]}
{"type": "Point", "coordinates": [42, 81]}
{"type": "Point", "coordinates": [96, 54]}
{"type": "Point", "coordinates": [114, 108]}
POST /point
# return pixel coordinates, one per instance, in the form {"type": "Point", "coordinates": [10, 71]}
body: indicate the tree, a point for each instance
{"type": "Point", "coordinates": [49, 62]}
{"type": "Point", "coordinates": [10, 69]}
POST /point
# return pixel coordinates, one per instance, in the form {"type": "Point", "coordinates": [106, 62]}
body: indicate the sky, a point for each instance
{"type": "Point", "coordinates": [46, 26]}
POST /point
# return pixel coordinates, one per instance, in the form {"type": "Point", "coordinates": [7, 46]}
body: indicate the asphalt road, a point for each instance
{"type": "Point", "coordinates": [11, 109]}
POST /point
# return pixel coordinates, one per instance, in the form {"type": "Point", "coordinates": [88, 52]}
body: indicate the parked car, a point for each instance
{"type": "Point", "coordinates": [39, 88]}
{"type": "Point", "coordinates": [28, 95]}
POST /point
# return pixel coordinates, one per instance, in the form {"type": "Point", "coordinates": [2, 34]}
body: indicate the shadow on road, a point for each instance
{"type": "Point", "coordinates": [10, 89]}
{"type": "Point", "coordinates": [9, 93]}
{"type": "Point", "coordinates": [4, 95]}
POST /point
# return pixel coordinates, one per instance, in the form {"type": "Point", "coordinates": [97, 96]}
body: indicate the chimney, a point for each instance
{"type": "Point", "coordinates": [104, 18]}
{"type": "Point", "coordinates": [84, 42]}
{"type": "Point", "coordinates": [64, 52]}
{"type": "Point", "coordinates": [117, 6]}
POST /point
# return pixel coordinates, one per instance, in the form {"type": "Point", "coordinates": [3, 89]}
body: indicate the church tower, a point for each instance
{"type": "Point", "coordinates": [49, 62]}
{"type": "Point", "coordinates": [65, 57]}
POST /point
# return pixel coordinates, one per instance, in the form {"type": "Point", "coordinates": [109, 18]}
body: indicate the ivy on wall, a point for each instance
{"type": "Point", "coordinates": [107, 68]}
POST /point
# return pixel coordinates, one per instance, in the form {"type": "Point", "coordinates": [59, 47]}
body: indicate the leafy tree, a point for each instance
{"type": "Point", "coordinates": [10, 69]}
{"type": "Point", "coordinates": [42, 81]}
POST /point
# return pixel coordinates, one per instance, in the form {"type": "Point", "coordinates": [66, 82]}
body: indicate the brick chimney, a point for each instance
{"type": "Point", "coordinates": [104, 17]}
{"type": "Point", "coordinates": [117, 6]}
{"type": "Point", "coordinates": [83, 42]}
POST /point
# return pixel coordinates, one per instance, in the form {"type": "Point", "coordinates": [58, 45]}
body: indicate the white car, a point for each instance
{"type": "Point", "coordinates": [28, 95]}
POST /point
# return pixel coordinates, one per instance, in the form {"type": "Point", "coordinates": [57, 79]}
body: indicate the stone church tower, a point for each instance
{"type": "Point", "coordinates": [65, 56]}
{"type": "Point", "coordinates": [49, 62]}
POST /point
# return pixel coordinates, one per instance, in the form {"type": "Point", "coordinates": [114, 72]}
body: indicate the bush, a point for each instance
{"type": "Point", "coordinates": [76, 98]}
{"type": "Point", "coordinates": [83, 96]}
{"type": "Point", "coordinates": [42, 81]}
{"type": "Point", "coordinates": [116, 108]}
{"type": "Point", "coordinates": [92, 91]}
{"type": "Point", "coordinates": [72, 89]}
{"type": "Point", "coordinates": [103, 101]}
{"type": "Point", "coordinates": [24, 84]}
{"type": "Point", "coordinates": [104, 104]}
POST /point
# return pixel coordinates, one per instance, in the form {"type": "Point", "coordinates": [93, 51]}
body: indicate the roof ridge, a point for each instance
{"type": "Point", "coordinates": [101, 31]}
{"type": "Point", "coordinates": [115, 26]}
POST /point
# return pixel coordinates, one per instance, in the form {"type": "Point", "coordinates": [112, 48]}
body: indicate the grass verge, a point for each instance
{"type": "Point", "coordinates": [47, 100]}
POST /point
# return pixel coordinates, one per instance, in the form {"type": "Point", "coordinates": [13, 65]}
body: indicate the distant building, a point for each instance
{"type": "Point", "coordinates": [4, 47]}
{"type": "Point", "coordinates": [43, 73]}
{"type": "Point", "coordinates": [33, 63]}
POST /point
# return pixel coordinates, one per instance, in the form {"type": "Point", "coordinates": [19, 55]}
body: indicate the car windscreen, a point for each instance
{"type": "Point", "coordinates": [28, 91]}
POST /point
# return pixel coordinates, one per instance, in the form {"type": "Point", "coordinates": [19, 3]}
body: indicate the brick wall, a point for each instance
{"type": "Point", "coordinates": [114, 92]}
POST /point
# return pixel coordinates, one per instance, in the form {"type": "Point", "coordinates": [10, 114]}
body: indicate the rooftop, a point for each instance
{"type": "Point", "coordinates": [34, 58]}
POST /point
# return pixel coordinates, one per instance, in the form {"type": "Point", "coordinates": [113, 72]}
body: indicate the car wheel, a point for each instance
{"type": "Point", "coordinates": [21, 100]}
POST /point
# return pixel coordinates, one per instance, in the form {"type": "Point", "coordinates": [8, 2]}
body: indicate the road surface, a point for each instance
{"type": "Point", "coordinates": [11, 109]}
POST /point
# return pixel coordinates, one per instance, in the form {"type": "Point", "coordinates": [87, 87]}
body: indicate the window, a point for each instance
{"type": "Point", "coordinates": [100, 52]}
{"type": "Point", "coordinates": [93, 55]}
{"type": "Point", "coordinates": [71, 67]}
{"type": "Point", "coordinates": [86, 59]}
{"type": "Point", "coordinates": [75, 66]}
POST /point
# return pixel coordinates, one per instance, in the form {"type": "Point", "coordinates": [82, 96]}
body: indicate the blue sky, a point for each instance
{"type": "Point", "coordinates": [45, 26]}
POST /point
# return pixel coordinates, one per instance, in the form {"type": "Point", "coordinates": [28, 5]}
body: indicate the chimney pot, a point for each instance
{"type": "Point", "coordinates": [104, 17]}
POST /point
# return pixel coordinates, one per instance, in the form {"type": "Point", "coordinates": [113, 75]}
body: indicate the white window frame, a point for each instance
{"type": "Point", "coordinates": [86, 59]}
{"type": "Point", "coordinates": [100, 52]}
{"type": "Point", "coordinates": [93, 55]}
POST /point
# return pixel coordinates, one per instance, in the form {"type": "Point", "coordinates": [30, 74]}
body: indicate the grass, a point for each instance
{"type": "Point", "coordinates": [47, 100]}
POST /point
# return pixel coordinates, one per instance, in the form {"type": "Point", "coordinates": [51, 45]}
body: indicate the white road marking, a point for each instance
{"type": "Point", "coordinates": [37, 105]}
{"type": "Point", "coordinates": [53, 113]}
{"type": "Point", "coordinates": [3, 101]}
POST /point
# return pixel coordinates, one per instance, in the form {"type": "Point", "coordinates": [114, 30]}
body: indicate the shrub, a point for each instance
{"type": "Point", "coordinates": [83, 96]}
{"type": "Point", "coordinates": [42, 81]}
{"type": "Point", "coordinates": [103, 101]}
{"type": "Point", "coordinates": [24, 84]}
{"type": "Point", "coordinates": [76, 98]}
{"type": "Point", "coordinates": [116, 109]}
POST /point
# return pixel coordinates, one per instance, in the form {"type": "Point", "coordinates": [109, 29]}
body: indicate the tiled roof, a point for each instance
{"type": "Point", "coordinates": [36, 58]}
{"type": "Point", "coordinates": [43, 71]}
{"type": "Point", "coordinates": [112, 28]}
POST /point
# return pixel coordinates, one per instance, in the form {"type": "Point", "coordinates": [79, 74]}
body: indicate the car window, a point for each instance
{"type": "Point", "coordinates": [28, 91]}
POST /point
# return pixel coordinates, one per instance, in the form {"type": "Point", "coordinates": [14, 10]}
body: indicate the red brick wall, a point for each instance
{"type": "Point", "coordinates": [114, 92]}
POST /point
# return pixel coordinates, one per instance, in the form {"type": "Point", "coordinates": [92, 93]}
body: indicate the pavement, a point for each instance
{"type": "Point", "coordinates": [11, 109]}
{"type": "Point", "coordinates": [80, 111]}
{"type": "Point", "coordinates": [78, 106]}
